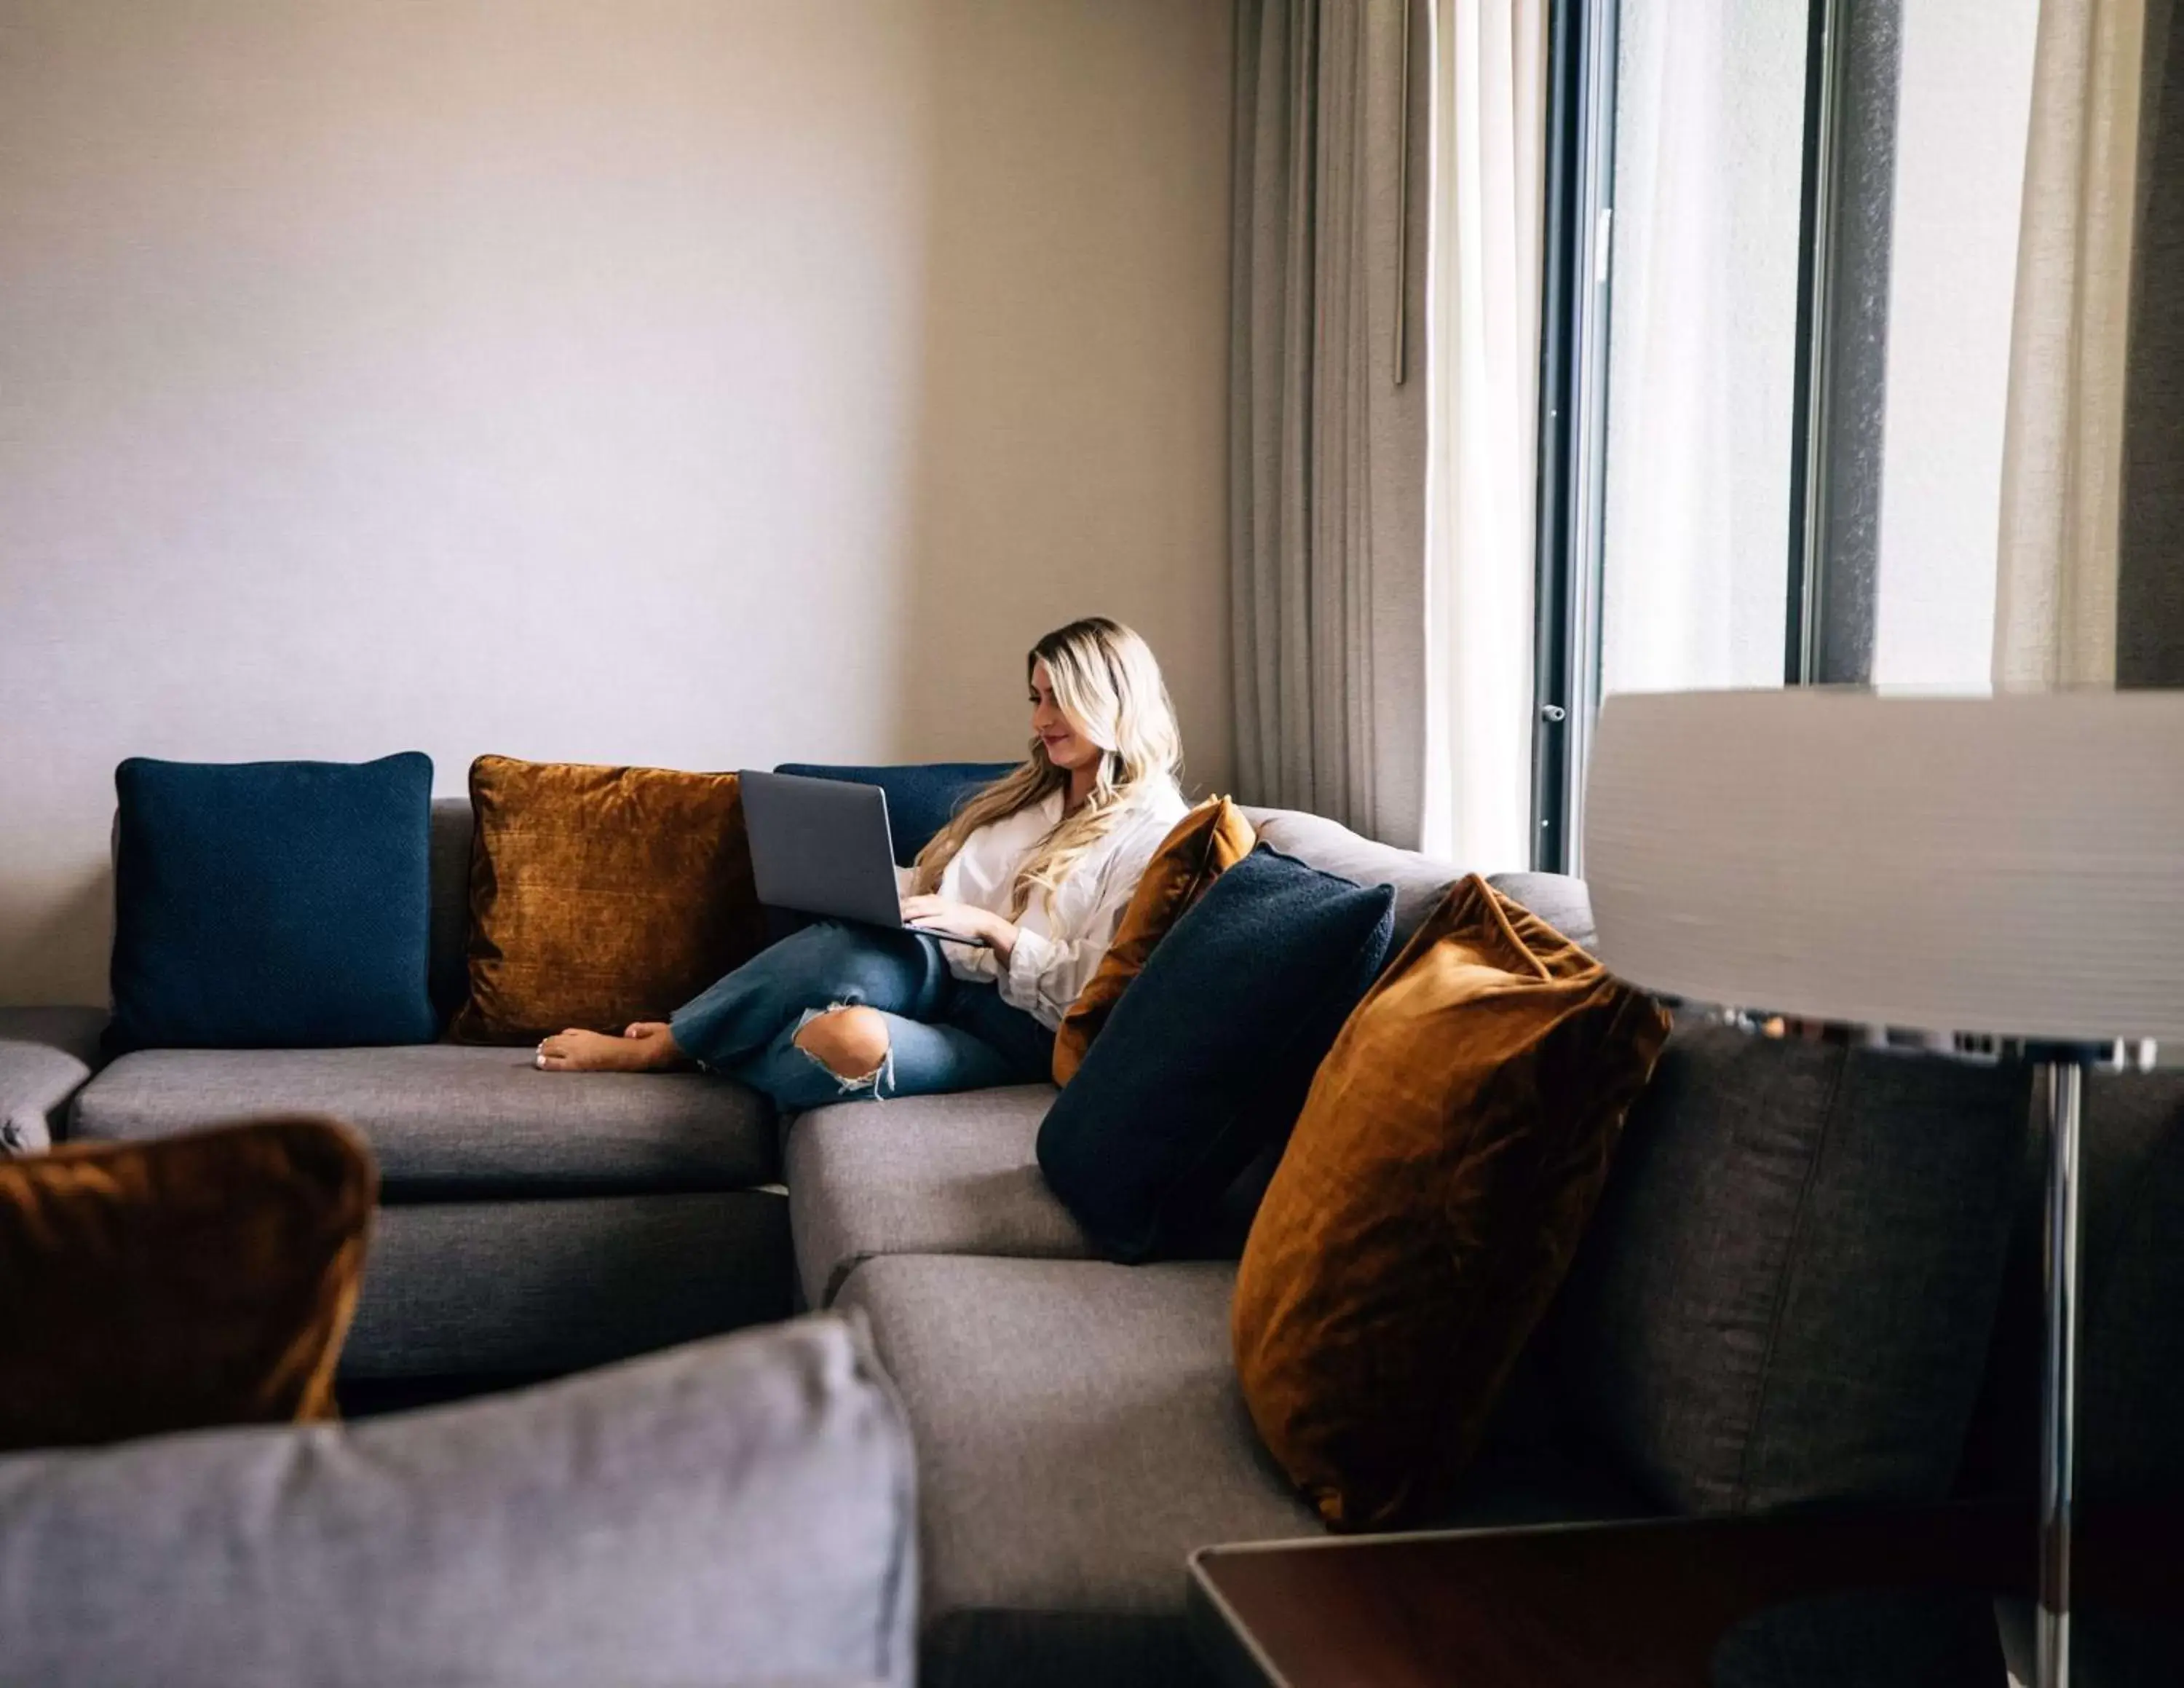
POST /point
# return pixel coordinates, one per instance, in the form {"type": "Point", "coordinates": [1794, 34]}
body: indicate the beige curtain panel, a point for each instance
{"type": "Point", "coordinates": [1328, 418]}
{"type": "Point", "coordinates": [2055, 590]}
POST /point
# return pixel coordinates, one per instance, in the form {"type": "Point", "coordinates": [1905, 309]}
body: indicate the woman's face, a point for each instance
{"type": "Point", "coordinates": [1066, 747]}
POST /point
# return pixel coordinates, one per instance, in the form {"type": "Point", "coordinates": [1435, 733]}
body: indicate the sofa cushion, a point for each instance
{"type": "Point", "coordinates": [272, 904]}
{"type": "Point", "coordinates": [450, 1122]}
{"type": "Point", "coordinates": [1208, 1056]}
{"type": "Point", "coordinates": [528, 1289]}
{"type": "Point", "coordinates": [206, 1279]}
{"type": "Point", "coordinates": [1429, 1203]}
{"type": "Point", "coordinates": [46, 1055]}
{"type": "Point", "coordinates": [925, 1175]}
{"type": "Point", "coordinates": [1202, 847]}
{"type": "Point", "coordinates": [737, 1511]}
{"type": "Point", "coordinates": [1788, 1291]}
{"type": "Point", "coordinates": [601, 896]}
{"type": "Point", "coordinates": [1079, 1433]}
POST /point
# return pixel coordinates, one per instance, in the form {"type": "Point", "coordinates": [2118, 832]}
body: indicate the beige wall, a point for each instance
{"type": "Point", "coordinates": [689, 382]}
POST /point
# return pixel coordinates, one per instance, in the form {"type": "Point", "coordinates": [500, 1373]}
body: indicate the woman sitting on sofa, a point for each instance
{"type": "Point", "coordinates": [1038, 868]}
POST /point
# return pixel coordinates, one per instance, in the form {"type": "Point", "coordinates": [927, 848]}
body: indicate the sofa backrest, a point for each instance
{"type": "Point", "coordinates": [450, 872]}
{"type": "Point", "coordinates": [1420, 881]}
{"type": "Point", "coordinates": [1791, 1288]}
{"type": "Point", "coordinates": [1787, 1294]}
{"type": "Point", "coordinates": [920, 799]}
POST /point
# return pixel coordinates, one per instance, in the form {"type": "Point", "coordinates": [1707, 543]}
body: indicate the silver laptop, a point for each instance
{"type": "Point", "coordinates": [822, 846]}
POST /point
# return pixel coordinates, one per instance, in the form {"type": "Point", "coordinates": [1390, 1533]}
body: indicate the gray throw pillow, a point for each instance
{"type": "Point", "coordinates": [1788, 1292]}
{"type": "Point", "coordinates": [734, 1512]}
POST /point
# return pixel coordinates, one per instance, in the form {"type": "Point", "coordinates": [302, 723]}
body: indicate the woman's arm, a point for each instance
{"type": "Point", "coordinates": [1043, 975]}
{"type": "Point", "coordinates": [1036, 973]}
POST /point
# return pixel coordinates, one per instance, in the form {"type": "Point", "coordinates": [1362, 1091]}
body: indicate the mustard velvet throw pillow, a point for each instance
{"type": "Point", "coordinates": [600, 896]}
{"type": "Point", "coordinates": [203, 1279]}
{"type": "Point", "coordinates": [1202, 847]}
{"type": "Point", "coordinates": [1448, 1158]}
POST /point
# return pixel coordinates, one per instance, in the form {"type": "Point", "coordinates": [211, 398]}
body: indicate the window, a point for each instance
{"type": "Point", "coordinates": [1702, 342]}
{"type": "Point", "coordinates": [1781, 264]}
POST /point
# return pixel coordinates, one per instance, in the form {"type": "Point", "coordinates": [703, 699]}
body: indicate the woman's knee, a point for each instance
{"type": "Point", "coordinates": [851, 1042]}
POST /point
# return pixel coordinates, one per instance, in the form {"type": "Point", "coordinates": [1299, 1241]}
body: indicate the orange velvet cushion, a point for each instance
{"type": "Point", "coordinates": [202, 1279]}
{"type": "Point", "coordinates": [1427, 1207]}
{"type": "Point", "coordinates": [599, 896]}
{"type": "Point", "coordinates": [1202, 847]}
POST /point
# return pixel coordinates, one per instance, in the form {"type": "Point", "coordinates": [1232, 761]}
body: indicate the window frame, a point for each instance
{"type": "Point", "coordinates": [1851, 70]}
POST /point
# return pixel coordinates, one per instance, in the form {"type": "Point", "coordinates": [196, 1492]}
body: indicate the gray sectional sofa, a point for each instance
{"type": "Point", "coordinates": [1791, 1296]}
{"type": "Point", "coordinates": [528, 1226]}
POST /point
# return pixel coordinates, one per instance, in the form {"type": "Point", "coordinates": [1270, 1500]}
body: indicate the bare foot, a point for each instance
{"type": "Point", "coordinates": [646, 1047]}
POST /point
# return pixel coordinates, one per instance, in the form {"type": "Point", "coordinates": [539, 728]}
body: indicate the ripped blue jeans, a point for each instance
{"type": "Point", "coordinates": [943, 1034]}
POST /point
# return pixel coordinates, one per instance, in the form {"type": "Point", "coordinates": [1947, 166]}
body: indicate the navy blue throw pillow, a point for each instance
{"type": "Point", "coordinates": [1206, 1059]}
{"type": "Point", "coordinates": [922, 797]}
{"type": "Point", "coordinates": [272, 904]}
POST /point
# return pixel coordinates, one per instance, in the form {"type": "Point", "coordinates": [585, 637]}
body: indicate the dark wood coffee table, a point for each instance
{"type": "Point", "coordinates": [1635, 1604]}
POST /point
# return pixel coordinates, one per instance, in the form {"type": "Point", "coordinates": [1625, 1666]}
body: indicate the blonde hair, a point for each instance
{"type": "Point", "coordinates": [1108, 683]}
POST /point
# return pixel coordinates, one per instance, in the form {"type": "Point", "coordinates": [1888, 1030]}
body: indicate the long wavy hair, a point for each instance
{"type": "Point", "coordinates": [1108, 685]}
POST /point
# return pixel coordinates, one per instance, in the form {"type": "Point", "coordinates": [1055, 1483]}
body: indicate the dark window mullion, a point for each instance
{"type": "Point", "coordinates": [1550, 660]}
{"type": "Point", "coordinates": [1807, 496]}
{"type": "Point", "coordinates": [1573, 420]}
{"type": "Point", "coordinates": [1854, 67]}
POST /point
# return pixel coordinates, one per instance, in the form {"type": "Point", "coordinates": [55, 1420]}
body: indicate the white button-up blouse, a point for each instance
{"type": "Point", "coordinates": [1062, 936]}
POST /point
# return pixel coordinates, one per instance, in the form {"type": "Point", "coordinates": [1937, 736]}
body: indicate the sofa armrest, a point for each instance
{"type": "Point", "coordinates": [46, 1056]}
{"type": "Point", "coordinates": [735, 1512]}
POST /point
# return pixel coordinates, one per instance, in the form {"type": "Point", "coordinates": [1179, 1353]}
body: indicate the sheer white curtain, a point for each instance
{"type": "Point", "coordinates": [1702, 342]}
{"type": "Point", "coordinates": [2055, 590]}
{"type": "Point", "coordinates": [1489, 149]}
